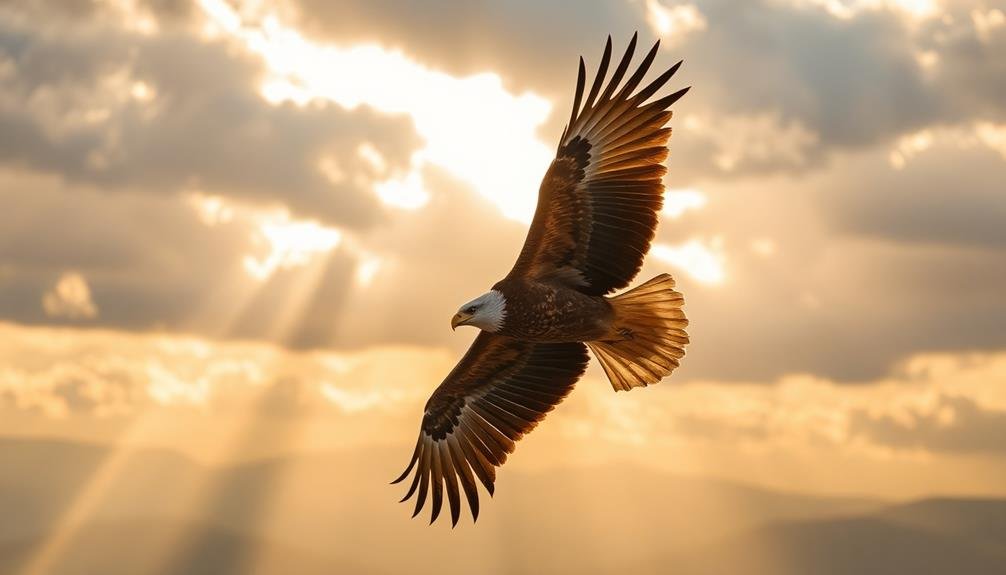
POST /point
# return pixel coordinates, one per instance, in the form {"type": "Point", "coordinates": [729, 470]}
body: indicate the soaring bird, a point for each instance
{"type": "Point", "coordinates": [595, 218]}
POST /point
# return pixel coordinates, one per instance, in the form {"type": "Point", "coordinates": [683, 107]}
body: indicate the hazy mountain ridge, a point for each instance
{"type": "Point", "coordinates": [923, 538]}
{"type": "Point", "coordinates": [133, 547]}
{"type": "Point", "coordinates": [330, 508]}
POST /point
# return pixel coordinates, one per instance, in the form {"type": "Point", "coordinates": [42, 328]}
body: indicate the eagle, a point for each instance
{"type": "Point", "coordinates": [596, 215]}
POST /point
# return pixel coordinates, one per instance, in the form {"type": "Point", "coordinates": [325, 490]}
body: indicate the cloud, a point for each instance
{"type": "Point", "coordinates": [944, 191]}
{"type": "Point", "coordinates": [938, 403]}
{"type": "Point", "coordinates": [675, 21]}
{"type": "Point", "coordinates": [172, 112]}
{"type": "Point", "coordinates": [179, 263]}
{"type": "Point", "coordinates": [952, 424]}
{"type": "Point", "coordinates": [829, 84]}
{"type": "Point", "coordinates": [147, 258]}
{"type": "Point", "coordinates": [60, 373]}
{"type": "Point", "coordinates": [464, 38]}
{"type": "Point", "coordinates": [857, 263]}
{"type": "Point", "coordinates": [70, 298]}
{"type": "Point", "coordinates": [202, 395]}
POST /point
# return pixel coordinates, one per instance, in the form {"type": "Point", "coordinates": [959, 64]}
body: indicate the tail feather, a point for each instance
{"type": "Point", "coordinates": [647, 338]}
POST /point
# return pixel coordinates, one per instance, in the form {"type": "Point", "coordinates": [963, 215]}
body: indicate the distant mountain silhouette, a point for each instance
{"type": "Point", "coordinates": [145, 547]}
{"type": "Point", "coordinates": [981, 521]}
{"type": "Point", "coordinates": [39, 480]}
{"type": "Point", "coordinates": [338, 505]}
{"type": "Point", "coordinates": [930, 537]}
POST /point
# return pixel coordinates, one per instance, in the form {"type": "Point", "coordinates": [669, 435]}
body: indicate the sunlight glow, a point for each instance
{"type": "Point", "coordinates": [369, 153]}
{"type": "Point", "coordinates": [993, 136]}
{"type": "Point", "coordinates": [702, 262]}
{"type": "Point", "coordinates": [290, 243]}
{"type": "Point", "coordinates": [988, 22]}
{"type": "Point", "coordinates": [212, 210]}
{"type": "Point", "coordinates": [367, 269]}
{"type": "Point", "coordinates": [81, 508]}
{"type": "Point", "coordinates": [674, 22]}
{"type": "Point", "coordinates": [167, 388]}
{"type": "Point", "coordinates": [764, 247]}
{"type": "Point", "coordinates": [406, 192]}
{"type": "Point", "coordinates": [909, 146]}
{"type": "Point", "coordinates": [474, 128]}
{"type": "Point", "coordinates": [847, 9]}
{"type": "Point", "coordinates": [352, 401]}
{"type": "Point", "coordinates": [142, 91]}
{"type": "Point", "coordinates": [679, 201]}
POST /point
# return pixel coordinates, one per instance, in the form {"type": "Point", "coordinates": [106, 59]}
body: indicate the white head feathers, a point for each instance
{"type": "Point", "coordinates": [487, 311]}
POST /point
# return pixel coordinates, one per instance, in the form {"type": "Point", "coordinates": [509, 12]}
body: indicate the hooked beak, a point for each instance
{"type": "Point", "coordinates": [459, 319]}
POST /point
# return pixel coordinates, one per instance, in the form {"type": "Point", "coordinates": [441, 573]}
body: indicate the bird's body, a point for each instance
{"type": "Point", "coordinates": [550, 313]}
{"type": "Point", "coordinates": [596, 215]}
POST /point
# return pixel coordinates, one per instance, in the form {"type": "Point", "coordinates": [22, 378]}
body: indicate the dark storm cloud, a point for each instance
{"type": "Point", "coordinates": [67, 110]}
{"type": "Point", "coordinates": [955, 424]}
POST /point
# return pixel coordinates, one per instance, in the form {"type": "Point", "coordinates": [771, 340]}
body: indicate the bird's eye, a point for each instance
{"type": "Point", "coordinates": [470, 309]}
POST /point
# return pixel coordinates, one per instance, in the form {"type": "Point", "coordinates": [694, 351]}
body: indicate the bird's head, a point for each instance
{"type": "Point", "coordinates": [485, 312]}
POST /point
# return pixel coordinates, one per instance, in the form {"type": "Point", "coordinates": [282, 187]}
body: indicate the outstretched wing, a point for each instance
{"type": "Point", "coordinates": [498, 392]}
{"type": "Point", "coordinates": [598, 204]}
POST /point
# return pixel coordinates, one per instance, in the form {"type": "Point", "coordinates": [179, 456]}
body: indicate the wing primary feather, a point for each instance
{"type": "Point", "coordinates": [480, 465]}
{"type": "Point", "coordinates": [412, 462]}
{"type": "Point", "coordinates": [668, 101]}
{"type": "Point", "coordinates": [462, 466]}
{"type": "Point", "coordinates": [450, 482]}
{"type": "Point", "coordinates": [615, 107]}
{"type": "Point", "coordinates": [602, 70]}
{"type": "Point", "coordinates": [581, 79]}
{"type": "Point", "coordinates": [474, 418]}
{"type": "Point", "coordinates": [656, 84]}
{"type": "Point", "coordinates": [656, 139]}
{"type": "Point", "coordinates": [612, 113]}
{"type": "Point", "coordinates": [494, 434]}
{"type": "Point", "coordinates": [622, 67]}
{"type": "Point", "coordinates": [637, 77]}
{"type": "Point", "coordinates": [484, 469]}
{"type": "Point", "coordinates": [437, 484]}
{"type": "Point", "coordinates": [613, 126]}
{"type": "Point", "coordinates": [645, 120]}
{"type": "Point", "coordinates": [507, 422]}
{"type": "Point", "coordinates": [415, 480]}
{"type": "Point", "coordinates": [482, 440]}
{"type": "Point", "coordinates": [424, 480]}
{"type": "Point", "coordinates": [621, 102]}
{"type": "Point", "coordinates": [627, 123]}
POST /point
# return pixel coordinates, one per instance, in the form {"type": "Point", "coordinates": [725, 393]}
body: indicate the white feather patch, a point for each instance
{"type": "Point", "coordinates": [490, 311]}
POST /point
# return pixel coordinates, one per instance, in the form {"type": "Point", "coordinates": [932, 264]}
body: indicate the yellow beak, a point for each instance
{"type": "Point", "coordinates": [459, 319]}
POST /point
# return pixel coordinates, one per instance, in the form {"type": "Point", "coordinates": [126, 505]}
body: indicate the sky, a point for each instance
{"type": "Point", "coordinates": [222, 215]}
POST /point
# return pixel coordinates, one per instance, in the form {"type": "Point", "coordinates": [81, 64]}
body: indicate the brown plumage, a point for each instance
{"type": "Point", "coordinates": [596, 216]}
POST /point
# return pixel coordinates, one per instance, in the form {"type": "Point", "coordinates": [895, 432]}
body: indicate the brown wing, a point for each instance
{"type": "Point", "coordinates": [598, 204]}
{"type": "Point", "coordinates": [498, 392]}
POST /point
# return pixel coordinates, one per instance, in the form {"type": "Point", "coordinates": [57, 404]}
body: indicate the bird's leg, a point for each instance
{"type": "Point", "coordinates": [626, 333]}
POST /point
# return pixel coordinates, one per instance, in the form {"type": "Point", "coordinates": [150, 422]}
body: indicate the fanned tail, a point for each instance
{"type": "Point", "coordinates": [647, 338]}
